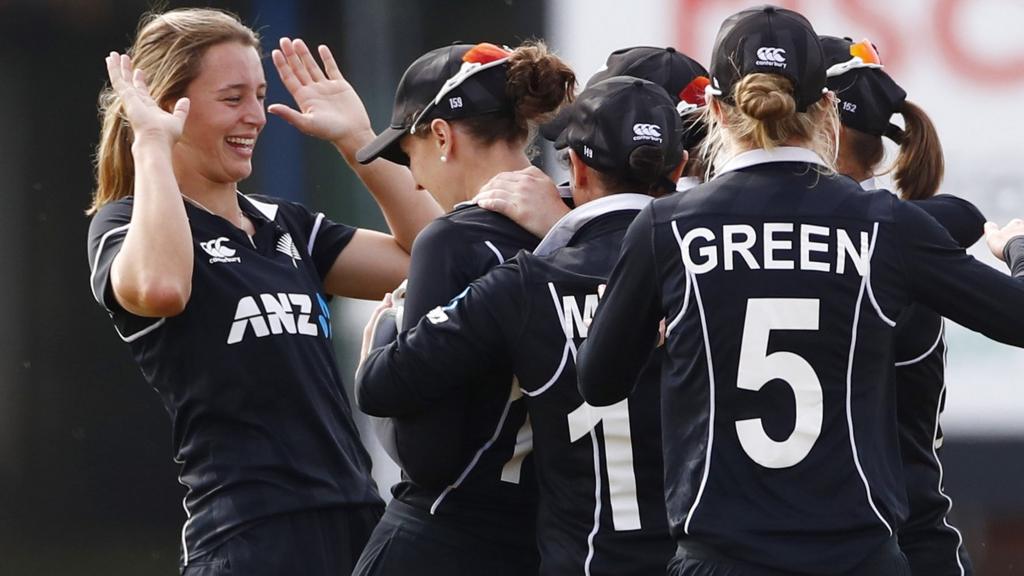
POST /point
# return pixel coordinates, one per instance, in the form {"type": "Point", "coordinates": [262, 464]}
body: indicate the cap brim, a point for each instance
{"type": "Point", "coordinates": [385, 146]}
{"type": "Point", "coordinates": [554, 129]}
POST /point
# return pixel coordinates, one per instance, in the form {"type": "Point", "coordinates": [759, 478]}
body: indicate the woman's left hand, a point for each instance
{"type": "Point", "coordinates": [371, 326]}
{"type": "Point", "coordinates": [997, 238]}
{"type": "Point", "coordinates": [329, 108]}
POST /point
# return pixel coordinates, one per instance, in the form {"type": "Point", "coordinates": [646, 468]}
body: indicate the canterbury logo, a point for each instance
{"type": "Point", "coordinates": [647, 132]}
{"type": "Point", "coordinates": [771, 56]}
{"type": "Point", "coordinates": [285, 245]}
{"type": "Point", "coordinates": [218, 251]}
{"type": "Point", "coordinates": [279, 314]}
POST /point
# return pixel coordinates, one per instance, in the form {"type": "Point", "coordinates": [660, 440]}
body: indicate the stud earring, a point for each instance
{"type": "Point", "coordinates": [444, 158]}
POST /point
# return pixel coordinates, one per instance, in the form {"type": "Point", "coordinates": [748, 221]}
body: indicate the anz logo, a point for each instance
{"type": "Point", "coordinates": [270, 314]}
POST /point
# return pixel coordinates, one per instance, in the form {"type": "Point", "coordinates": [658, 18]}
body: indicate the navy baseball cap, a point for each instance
{"type": "Point", "coordinates": [457, 81]}
{"type": "Point", "coordinates": [770, 40]}
{"type": "Point", "coordinates": [682, 77]}
{"type": "Point", "coordinates": [868, 96]}
{"type": "Point", "coordinates": [613, 117]}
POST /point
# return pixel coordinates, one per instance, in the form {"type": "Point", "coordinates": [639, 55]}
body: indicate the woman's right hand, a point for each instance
{"type": "Point", "coordinates": [528, 197]}
{"type": "Point", "coordinates": [147, 119]}
{"type": "Point", "coordinates": [997, 238]}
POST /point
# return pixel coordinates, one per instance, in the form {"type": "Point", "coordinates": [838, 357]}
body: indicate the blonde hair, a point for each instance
{"type": "Point", "coordinates": [168, 49]}
{"type": "Point", "coordinates": [765, 116]}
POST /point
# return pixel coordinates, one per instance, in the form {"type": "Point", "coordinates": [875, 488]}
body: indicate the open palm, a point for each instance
{"type": "Point", "coordinates": [328, 106]}
{"type": "Point", "coordinates": [146, 117]}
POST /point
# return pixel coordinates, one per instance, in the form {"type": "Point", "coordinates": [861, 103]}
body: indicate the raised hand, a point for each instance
{"type": "Point", "coordinates": [997, 238]}
{"type": "Point", "coordinates": [146, 117]}
{"type": "Point", "coordinates": [328, 106]}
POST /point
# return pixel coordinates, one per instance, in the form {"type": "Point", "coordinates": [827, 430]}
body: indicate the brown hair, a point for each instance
{"type": "Point", "coordinates": [168, 49]}
{"type": "Point", "coordinates": [538, 83]}
{"type": "Point", "coordinates": [648, 174]}
{"type": "Point", "coordinates": [920, 165]}
{"type": "Point", "coordinates": [765, 116]}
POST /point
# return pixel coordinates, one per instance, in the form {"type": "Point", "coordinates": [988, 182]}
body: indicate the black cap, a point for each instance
{"type": "Point", "coordinates": [681, 76]}
{"type": "Point", "coordinates": [771, 40]}
{"type": "Point", "coordinates": [473, 79]}
{"type": "Point", "coordinates": [868, 96]}
{"type": "Point", "coordinates": [611, 118]}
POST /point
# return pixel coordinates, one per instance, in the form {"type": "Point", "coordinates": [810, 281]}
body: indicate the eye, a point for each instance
{"type": "Point", "coordinates": [233, 99]}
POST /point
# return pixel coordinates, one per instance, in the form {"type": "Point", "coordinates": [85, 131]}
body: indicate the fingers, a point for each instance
{"type": "Point", "coordinates": [288, 114]}
{"type": "Point", "coordinates": [333, 72]}
{"type": "Point", "coordinates": [181, 108]}
{"type": "Point", "coordinates": [308, 63]}
{"type": "Point", "coordinates": [498, 205]}
{"type": "Point", "coordinates": [294, 62]}
{"type": "Point", "coordinates": [285, 72]}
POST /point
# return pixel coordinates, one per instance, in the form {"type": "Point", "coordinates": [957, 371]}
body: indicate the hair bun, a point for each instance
{"type": "Point", "coordinates": [765, 97]}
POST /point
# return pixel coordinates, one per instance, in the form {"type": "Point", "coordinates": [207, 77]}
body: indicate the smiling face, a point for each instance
{"type": "Point", "coordinates": [225, 118]}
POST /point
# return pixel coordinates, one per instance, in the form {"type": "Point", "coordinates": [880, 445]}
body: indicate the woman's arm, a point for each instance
{"type": "Point", "coordinates": [151, 276]}
{"type": "Point", "coordinates": [330, 109]}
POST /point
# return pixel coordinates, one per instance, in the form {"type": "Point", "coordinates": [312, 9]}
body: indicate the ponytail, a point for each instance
{"type": "Point", "coordinates": [919, 165]}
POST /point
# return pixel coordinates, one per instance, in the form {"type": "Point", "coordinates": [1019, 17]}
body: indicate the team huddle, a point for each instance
{"type": "Point", "coordinates": [717, 350]}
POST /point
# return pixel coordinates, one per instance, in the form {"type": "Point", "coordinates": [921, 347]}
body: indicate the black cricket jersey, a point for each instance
{"type": "Point", "coordinates": [260, 421]}
{"type": "Point", "coordinates": [602, 509]}
{"type": "Point", "coordinates": [780, 284]}
{"type": "Point", "coordinates": [465, 459]}
{"type": "Point", "coordinates": [931, 543]}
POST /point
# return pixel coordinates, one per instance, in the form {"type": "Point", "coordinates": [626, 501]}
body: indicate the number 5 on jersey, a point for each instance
{"type": "Point", "coordinates": [757, 367]}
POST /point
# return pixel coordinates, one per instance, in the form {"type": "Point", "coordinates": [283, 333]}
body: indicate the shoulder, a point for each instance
{"type": "Point", "coordinates": [112, 217]}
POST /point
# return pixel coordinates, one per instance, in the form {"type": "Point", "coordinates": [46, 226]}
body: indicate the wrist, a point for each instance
{"type": "Point", "coordinates": [349, 144]}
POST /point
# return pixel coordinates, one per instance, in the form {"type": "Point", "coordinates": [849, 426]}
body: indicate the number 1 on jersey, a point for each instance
{"type": "Point", "coordinates": [757, 367]}
{"type": "Point", "coordinates": [618, 455]}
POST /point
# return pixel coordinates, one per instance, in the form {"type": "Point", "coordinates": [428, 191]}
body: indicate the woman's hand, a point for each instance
{"type": "Point", "coordinates": [997, 238]}
{"type": "Point", "coordinates": [329, 107]}
{"type": "Point", "coordinates": [527, 197]}
{"type": "Point", "coordinates": [369, 332]}
{"type": "Point", "coordinates": [147, 119]}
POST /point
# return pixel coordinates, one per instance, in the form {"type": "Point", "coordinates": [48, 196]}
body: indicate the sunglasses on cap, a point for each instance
{"type": "Point", "coordinates": [862, 55]}
{"type": "Point", "coordinates": [479, 58]}
{"type": "Point", "coordinates": [692, 97]}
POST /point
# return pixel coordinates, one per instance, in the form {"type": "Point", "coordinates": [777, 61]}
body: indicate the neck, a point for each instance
{"type": "Point", "coordinates": [216, 197]}
{"type": "Point", "coordinates": [483, 166]}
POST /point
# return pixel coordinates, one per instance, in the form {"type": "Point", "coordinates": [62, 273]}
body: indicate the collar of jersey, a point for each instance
{"type": "Point", "coordinates": [254, 208]}
{"type": "Point", "coordinates": [687, 182]}
{"type": "Point", "coordinates": [869, 184]}
{"type": "Point", "coordinates": [762, 156]}
{"type": "Point", "coordinates": [566, 227]}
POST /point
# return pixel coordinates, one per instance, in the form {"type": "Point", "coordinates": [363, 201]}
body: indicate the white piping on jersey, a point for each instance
{"type": "Point", "coordinates": [849, 394]}
{"type": "Point", "coordinates": [133, 337]}
{"type": "Point", "coordinates": [686, 303]}
{"type": "Point", "coordinates": [567, 226]}
{"type": "Point", "coordinates": [570, 346]}
{"type": "Point", "coordinates": [871, 292]}
{"type": "Point", "coordinates": [188, 513]}
{"type": "Point", "coordinates": [597, 502]}
{"type": "Point", "coordinates": [312, 235]}
{"type": "Point", "coordinates": [96, 261]}
{"type": "Point", "coordinates": [762, 156]}
{"type": "Point", "coordinates": [512, 471]}
{"type": "Point", "coordinates": [936, 442]}
{"type": "Point", "coordinates": [514, 394]}
{"type": "Point", "coordinates": [268, 210]}
{"type": "Point", "coordinates": [501, 259]}
{"type": "Point", "coordinates": [938, 338]}
{"type": "Point", "coordinates": [711, 383]}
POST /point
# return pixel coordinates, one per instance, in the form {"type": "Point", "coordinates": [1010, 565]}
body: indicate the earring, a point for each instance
{"type": "Point", "coordinates": [444, 158]}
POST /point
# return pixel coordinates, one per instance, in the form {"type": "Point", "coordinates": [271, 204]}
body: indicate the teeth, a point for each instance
{"type": "Point", "coordinates": [242, 141]}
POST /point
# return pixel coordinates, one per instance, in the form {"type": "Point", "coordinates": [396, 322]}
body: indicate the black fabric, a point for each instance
{"type": "Point", "coordinates": [259, 418]}
{"type": "Point", "coordinates": [807, 318]}
{"type": "Point", "coordinates": [868, 97]}
{"type": "Point", "coordinates": [324, 542]}
{"type": "Point", "coordinates": [770, 40]}
{"type": "Point", "coordinates": [410, 541]}
{"type": "Point", "coordinates": [928, 539]}
{"type": "Point", "coordinates": [531, 313]}
{"type": "Point", "coordinates": [694, 559]}
{"type": "Point", "coordinates": [1014, 256]}
{"type": "Point", "coordinates": [612, 118]}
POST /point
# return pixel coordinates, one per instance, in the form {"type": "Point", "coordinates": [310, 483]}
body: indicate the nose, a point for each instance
{"type": "Point", "coordinates": [255, 112]}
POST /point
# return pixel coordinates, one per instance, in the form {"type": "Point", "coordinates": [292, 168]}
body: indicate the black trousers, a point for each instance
{"type": "Point", "coordinates": [324, 542]}
{"type": "Point", "coordinates": [694, 559]}
{"type": "Point", "coordinates": [409, 541]}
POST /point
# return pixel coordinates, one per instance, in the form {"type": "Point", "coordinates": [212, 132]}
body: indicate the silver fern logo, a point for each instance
{"type": "Point", "coordinates": [286, 246]}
